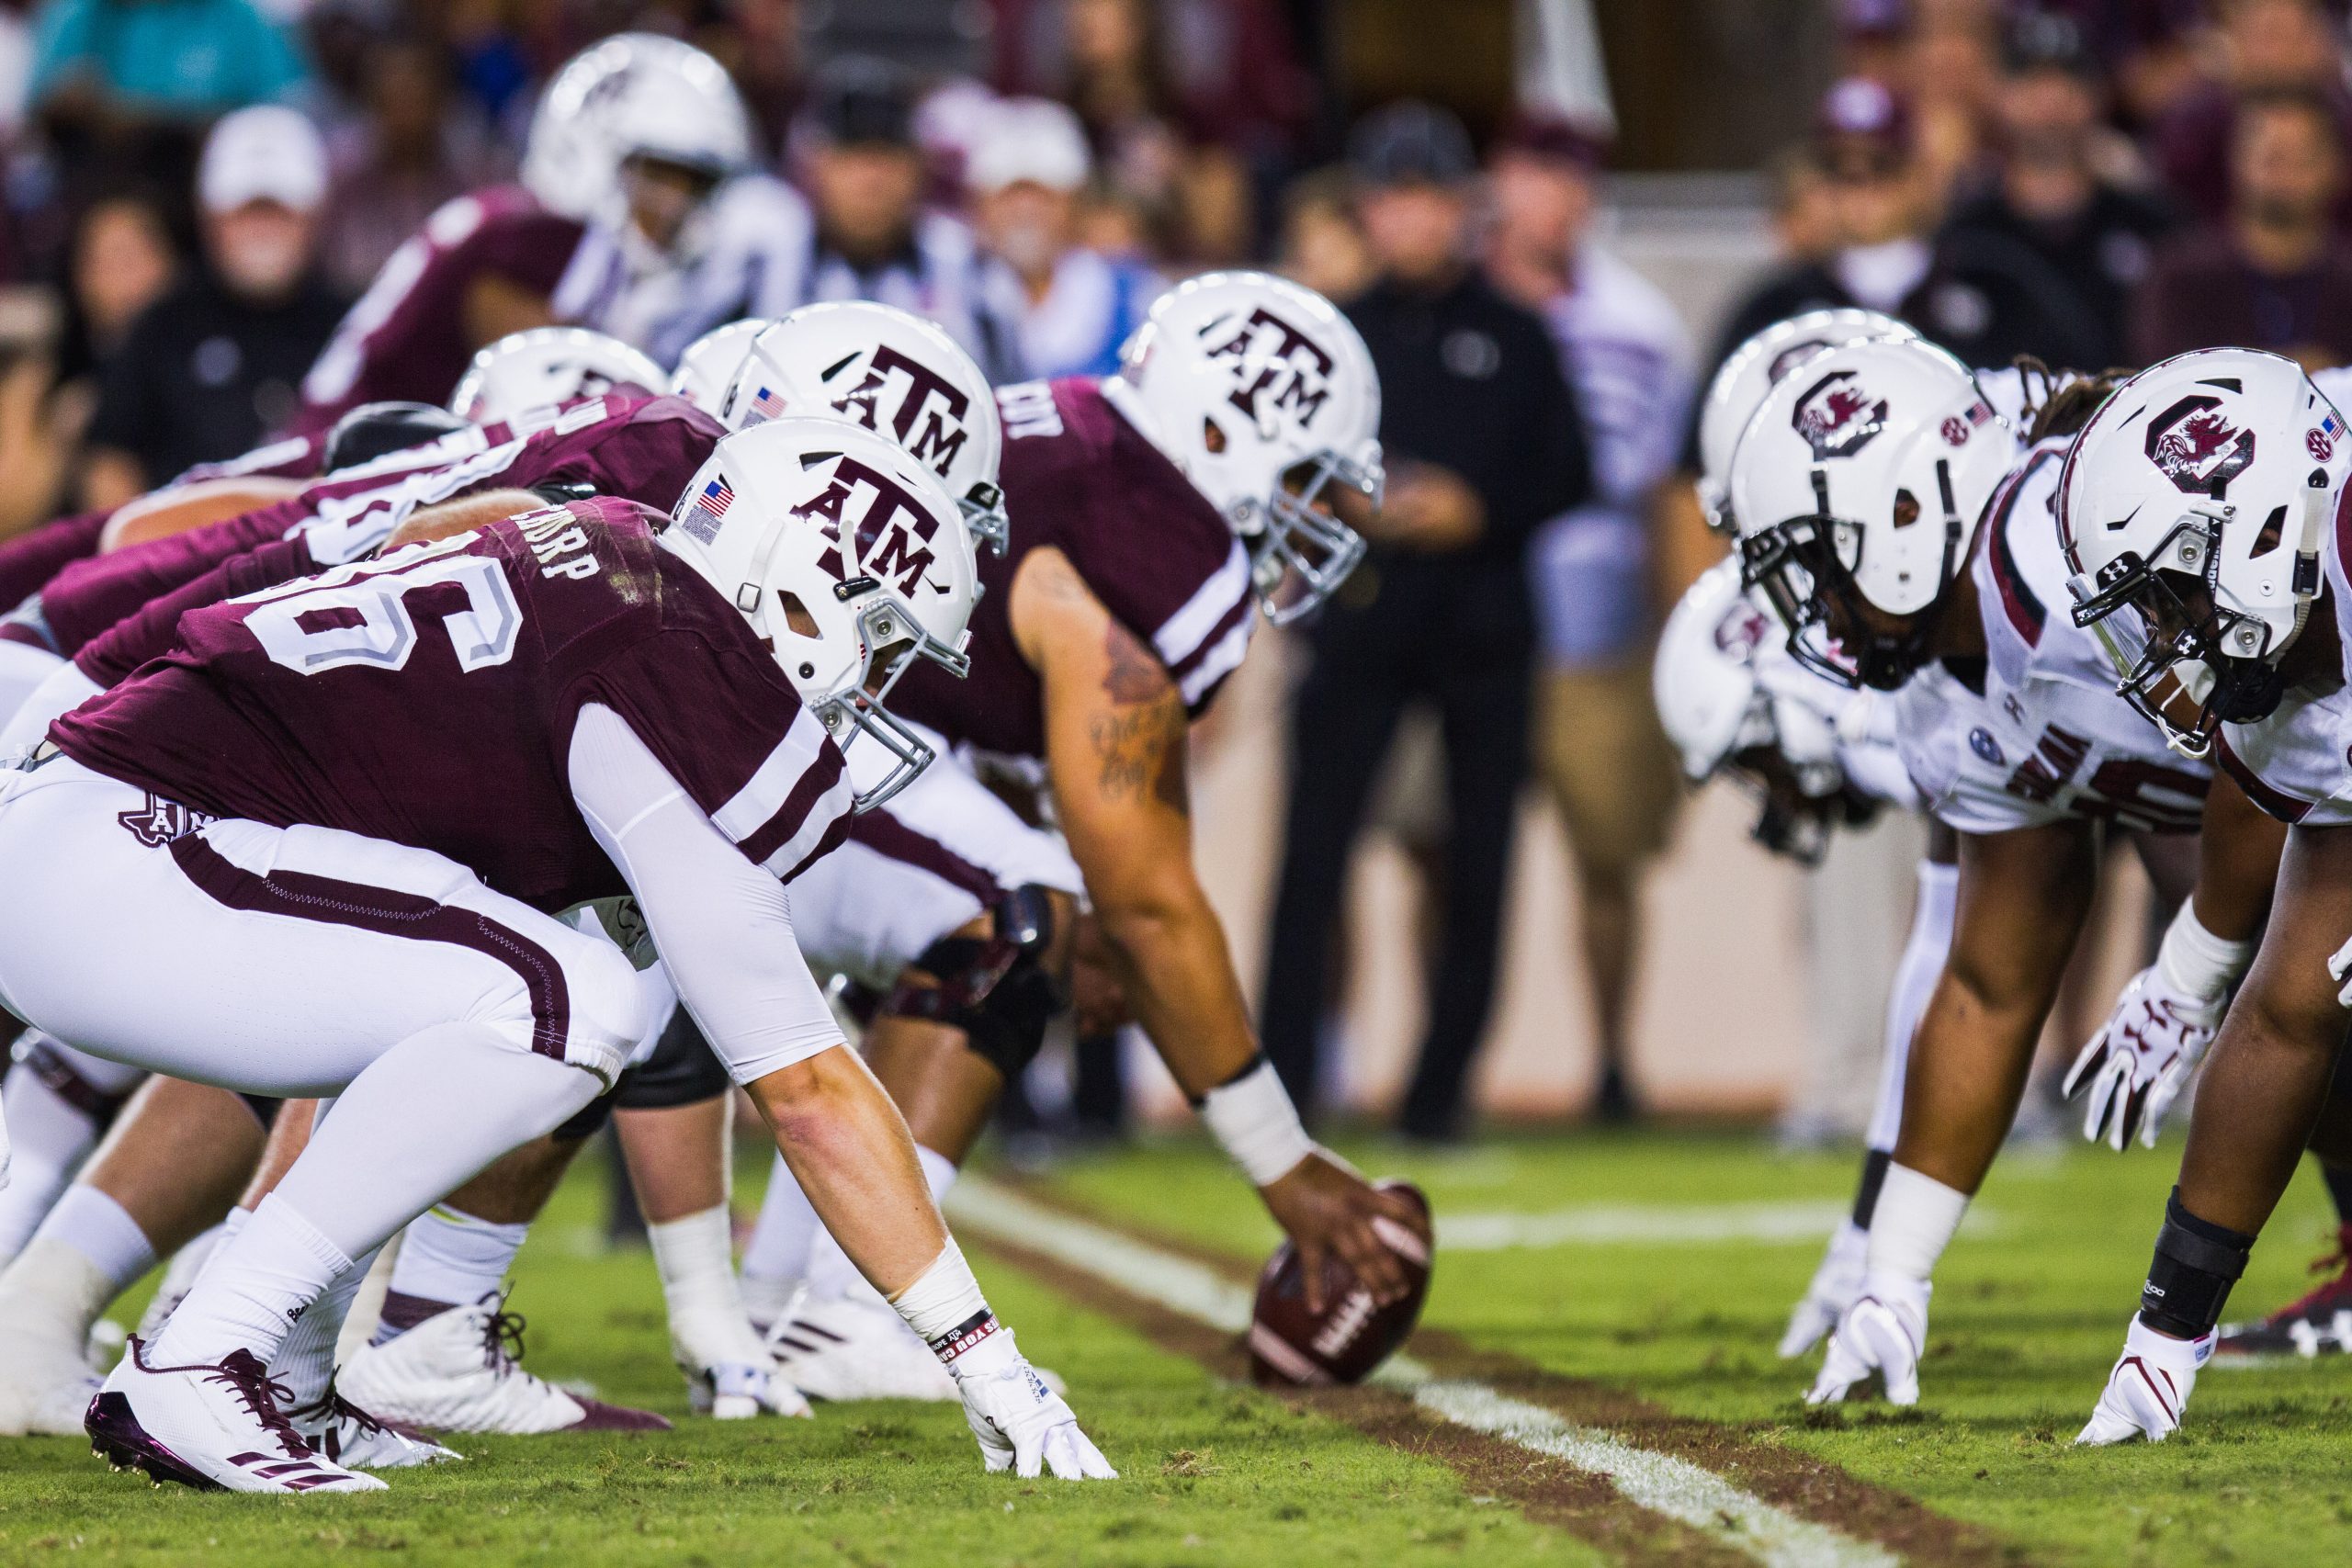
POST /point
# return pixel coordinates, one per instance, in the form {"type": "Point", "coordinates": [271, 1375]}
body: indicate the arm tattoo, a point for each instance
{"type": "Point", "coordinates": [1140, 744]}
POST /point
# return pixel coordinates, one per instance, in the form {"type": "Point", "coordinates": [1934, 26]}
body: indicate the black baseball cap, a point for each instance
{"type": "Point", "coordinates": [2040, 40]}
{"type": "Point", "coordinates": [1410, 143]}
{"type": "Point", "coordinates": [861, 100]}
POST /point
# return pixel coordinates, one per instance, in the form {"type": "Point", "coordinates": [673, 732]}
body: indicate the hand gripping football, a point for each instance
{"type": "Point", "coordinates": [1290, 1347]}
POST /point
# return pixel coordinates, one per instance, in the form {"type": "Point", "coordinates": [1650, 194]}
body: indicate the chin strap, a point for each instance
{"type": "Point", "coordinates": [2306, 579]}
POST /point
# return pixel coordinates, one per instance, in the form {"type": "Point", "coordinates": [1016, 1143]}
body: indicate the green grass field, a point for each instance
{"type": "Point", "coordinates": [2028, 1314]}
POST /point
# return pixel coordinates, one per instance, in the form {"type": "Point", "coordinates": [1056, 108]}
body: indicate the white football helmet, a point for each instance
{"type": "Point", "coordinates": [1263, 394]}
{"type": "Point", "coordinates": [545, 365]}
{"type": "Point", "coordinates": [848, 556]}
{"type": "Point", "coordinates": [1754, 369]}
{"type": "Point", "coordinates": [1855, 488]}
{"type": "Point", "coordinates": [1724, 716]}
{"type": "Point", "coordinates": [707, 366]}
{"type": "Point", "coordinates": [892, 372]}
{"type": "Point", "coordinates": [631, 96]}
{"type": "Point", "coordinates": [2192, 510]}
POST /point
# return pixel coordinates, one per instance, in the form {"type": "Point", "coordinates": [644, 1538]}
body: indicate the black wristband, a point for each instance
{"type": "Point", "coordinates": [2195, 1265]}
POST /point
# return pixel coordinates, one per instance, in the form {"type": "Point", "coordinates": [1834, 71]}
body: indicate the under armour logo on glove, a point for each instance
{"type": "Point", "coordinates": [161, 821]}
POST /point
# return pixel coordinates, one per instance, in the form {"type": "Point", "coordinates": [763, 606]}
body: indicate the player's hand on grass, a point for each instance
{"type": "Point", "coordinates": [1882, 1333]}
{"type": "Point", "coordinates": [2139, 1060]}
{"type": "Point", "coordinates": [1022, 1425]}
{"type": "Point", "coordinates": [1328, 1208]}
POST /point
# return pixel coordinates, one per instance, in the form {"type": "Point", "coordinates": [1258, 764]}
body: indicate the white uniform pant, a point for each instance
{"type": "Point", "coordinates": [23, 668]}
{"type": "Point", "coordinates": [916, 869]}
{"type": "Point", "coordinates": [276, 961]}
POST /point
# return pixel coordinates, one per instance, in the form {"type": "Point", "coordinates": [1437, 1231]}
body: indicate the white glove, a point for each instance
{"type": "Point", "coordinates": [1022, 1425]}
{"type": "Point", "coordinates": [2339, 968]}
{"type": "Point", "coordinates": [2137, 1064]}
{"type": "Point", "coordinates": [1884, 1332]}
{"type": "Point", "coordinates": [723, 1361]}
{"type": "Point", "coordinates": [2147, 1392]}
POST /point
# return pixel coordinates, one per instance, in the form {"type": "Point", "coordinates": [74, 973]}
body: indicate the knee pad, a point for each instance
{"type": "Point", "coordinates": [995, 988]}
{"type": "Point", "coordinates": [590, 1120]}
{"type": "Point", "coordinates": [607, 1006]}
{"type": "Point", "coordinates": [683, 1071]}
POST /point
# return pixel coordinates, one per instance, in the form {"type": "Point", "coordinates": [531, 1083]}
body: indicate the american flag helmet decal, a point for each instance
{"type": "Point", "coordinates": [702, 519]}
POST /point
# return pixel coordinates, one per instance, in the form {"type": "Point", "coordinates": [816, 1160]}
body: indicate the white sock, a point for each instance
{"type": "Point", "coordinates": [449, 1256]}
{"type": "Point", "coordinates": [1916, 974]}
{"type": "Point", "coordinates": [253, 1290]}
{"type": "Point", "coordinates": [1914, 1221]}
{"type": "Point", "coordinates": [101, 1230]}
{"type": "Point", "coordinates": [696, 1256]}
{"type": "Point", "coordinates": [305, 1359]}
{"type": "Point", "coordinates": [775, 1258]}
{"type": "Point", "coordinates": [50, 1136]}
{"type": "Point", "coordinates": [832, 1274]}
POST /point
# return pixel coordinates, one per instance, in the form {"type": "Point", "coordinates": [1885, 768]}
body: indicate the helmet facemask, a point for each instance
{"type": "Point", "coordinates": [1293, 540]}
{"type": "Point", "coordinates": [1806, 567]}
{"type": "Point", "coordinates": [892, 641]}
{"type": "Point", "coordinates": [2214, 659]}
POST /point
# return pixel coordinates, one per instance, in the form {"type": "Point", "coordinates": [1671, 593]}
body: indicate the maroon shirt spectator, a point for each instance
{"type": "Point", "coordinates": [411, 150]}
{"type": "Point", "coordinates": [2273, 276]}
{"type": "Point", "coordinates": [2271, 46]}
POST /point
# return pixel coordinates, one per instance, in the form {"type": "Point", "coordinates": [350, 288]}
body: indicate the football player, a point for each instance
{"type": "Point", "coordinates": [1817, 755]}
{"type": "Point", "coordinates": [2202, 521]}
{"type": "Point", "coordinates": [547, 367]}
{"type": "Point", "coordinates": [663, 750]}
{"type": "Point", "coordinates": [1152, 511]}
{"type": "Point", "coordinates": [633, 170]}
{"type": "Point", "coordinates": [1858, 489]}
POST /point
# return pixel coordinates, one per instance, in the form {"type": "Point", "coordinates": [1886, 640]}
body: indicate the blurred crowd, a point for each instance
{"type": "Point", "coordinates": [2092, 181]}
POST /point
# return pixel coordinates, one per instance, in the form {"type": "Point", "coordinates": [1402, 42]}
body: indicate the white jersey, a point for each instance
{"type": "Point", "coordinates": [2047, 738]}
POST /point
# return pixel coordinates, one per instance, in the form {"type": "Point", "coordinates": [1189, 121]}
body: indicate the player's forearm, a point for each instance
{"type": "Point", "coordinates": [848, 1148]}
{"type": "Point", "coordinates": [2237, 864]}
{"type": "Point", "coordinates": [1178, 975]}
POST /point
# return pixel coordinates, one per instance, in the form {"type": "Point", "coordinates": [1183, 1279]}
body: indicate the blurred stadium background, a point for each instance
{"type": "Point", "coordinates": [2092, 181]}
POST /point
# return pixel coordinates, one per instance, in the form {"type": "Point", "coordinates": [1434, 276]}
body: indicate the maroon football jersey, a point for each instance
{"type": "Point", "coordinates": [30, 559]}
{"type": "Point", "coordinates": [291, 457]}
{"type": "Point", "coordinates": [111, 657]}
{"type": "Point", "coordinates": [643, 448]}
{"type": "Point", "coordinates": [428, 699]}
{"type": "Point", "coordinates": [402, 339]}
{"type": "Point", "coordinates": [1079, 477]}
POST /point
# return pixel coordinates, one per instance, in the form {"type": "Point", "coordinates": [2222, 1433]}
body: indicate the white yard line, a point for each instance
{"type": "Point", "coordinates": [1663, 1483]}
{"type": "Point", "coordinates": [1804, 1220]}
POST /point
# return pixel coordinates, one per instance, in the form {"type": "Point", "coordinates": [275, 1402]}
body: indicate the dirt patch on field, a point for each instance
{"type": "Point", "coordinates": [1546, 1490]}
{"type": "Point", "coordinates": [1808, 1487]}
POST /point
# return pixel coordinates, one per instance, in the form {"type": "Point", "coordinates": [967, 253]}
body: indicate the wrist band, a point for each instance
{"type": "Point", "coordinates": [2197, 963]}
{"type": "Point", "coordinates": [1252, 1119]}
{"type": "Point", "coordinates": [945, 1308]}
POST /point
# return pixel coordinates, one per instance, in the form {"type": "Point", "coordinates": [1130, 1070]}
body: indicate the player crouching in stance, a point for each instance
{"type": "Point", "coordinates": [644, 678]}
{"type": "Point", "coordinates": [1858, 489]}
{"type": "Point", "coordinates": [2203, 517]}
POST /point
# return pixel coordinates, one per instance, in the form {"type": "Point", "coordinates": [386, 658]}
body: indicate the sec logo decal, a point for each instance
{"type": "Point", "coordinates": [1981, 741]}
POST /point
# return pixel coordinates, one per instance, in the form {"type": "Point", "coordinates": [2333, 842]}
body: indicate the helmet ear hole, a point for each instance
{"type": "Point", "coordinates": [1211, 434]}
{"type": "Point", "coordinates": [797, 615]}
{"type": "Point", "coordinates": [2274, 529]}
{"type": "Point", "coordinates": [1906, 509]}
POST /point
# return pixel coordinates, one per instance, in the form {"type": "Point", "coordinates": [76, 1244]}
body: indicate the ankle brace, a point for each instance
{"type": "Point", "coordinates": [2189, 1278]}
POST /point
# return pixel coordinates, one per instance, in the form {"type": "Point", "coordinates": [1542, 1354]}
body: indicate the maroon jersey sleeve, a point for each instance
{"type": "Point", "coordinates": [1079, 477]}
{"type": "Point", "coordinates": [30, 559]}
{"type": "Point", "coordinates": [401, 339]}
{"type": "Point", "coordinates": [713, 707]}
{"type": "Point", "coordinates": [154, 631]}
{"type": "Point", "coordinates": [292, 457]}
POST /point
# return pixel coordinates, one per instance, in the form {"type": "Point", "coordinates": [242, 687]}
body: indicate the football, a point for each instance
{"type": "Point", "coordinates": [1291, 1347]}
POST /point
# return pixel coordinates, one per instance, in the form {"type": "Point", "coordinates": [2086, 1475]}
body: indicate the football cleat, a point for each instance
{"type": "Point", "coordinates": [1836, 1283]}
{"type": "Point", "coordinates": [461, 1371]}
{"type": "Point", "coordinates": [1884, 1332]}
{"type": "Point", "coordinates": [343, 1432]}
{"type": "Point", "coordinates": [843, 1347]}
{"type": "Point", "coordinates": [2314, 1324]}
{"type": "Point", "coordinates": [216, 1428]}
{"type": "Point", "coordinates": [2148, 1388]}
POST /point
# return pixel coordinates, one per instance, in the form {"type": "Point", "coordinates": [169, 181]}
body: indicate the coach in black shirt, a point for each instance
{"type": "Point", "coordinates": [1483, 443]}
{"type": "Point", "coordinates": [211, 368]}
